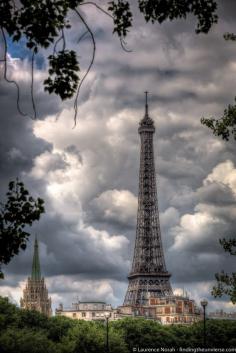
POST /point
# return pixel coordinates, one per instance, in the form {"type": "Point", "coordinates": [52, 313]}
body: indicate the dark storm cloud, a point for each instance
{"type": "Point", "coordinates": [201, 268]}
{"type": "Point", "coordinates": [83, 236]}
{"type": "Point", "coordinates": [18, 145]}
{"type": "Point", "coordinates": [65, 250]}
{"type": "Point", "coordinates": [226, 10]}
{"type": "Point", "coordinates": [216, 194]}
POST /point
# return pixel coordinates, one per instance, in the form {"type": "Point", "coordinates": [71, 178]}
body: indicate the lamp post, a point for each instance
{"type": "Point", "coordinates": [107, 316]}
{"type": "Point", "coordinates": [204, 305]}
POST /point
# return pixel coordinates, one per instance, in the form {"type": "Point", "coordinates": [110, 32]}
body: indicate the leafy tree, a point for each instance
{"type": "Point", "coordinates": [138, 332]}
{"type": "Point", "coordinates": [89, 337]}
{"type": "Point", "coordinates": [32, 319]}
{"type": "Point", "coordinates": [59, 327]}
{"type": "Point", "coordinates": [44, 23]}
{"type": "Point", "coordinates": [23, 331]}
{"type": "Point", "coordinates": [24, 341]}
{"type": "Point", "coordinates": [225, 126]}
{"type": "Point", "coordinates": [226, 284]}
{"type": "Point", "coordinates": [183, 335]}
{"type": "Point", "coordinates": [219, 333]}
{"type": "Point", "coordinates": [8, 313]}
{"type": "Point", "coordinates": [19, 210]}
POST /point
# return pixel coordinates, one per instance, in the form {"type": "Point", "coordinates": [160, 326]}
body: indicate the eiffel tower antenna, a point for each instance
{"type": "Point", "coordinates": [146, 103]}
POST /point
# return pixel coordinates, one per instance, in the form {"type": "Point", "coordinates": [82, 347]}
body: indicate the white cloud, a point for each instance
{"type": "Point", "coordinates": [207, 219]}
{"type": "Point", "coordinates": [14, 293]}
{"type": "Point", "coordinates": [117, 205]}
{"type": "Point", "coordinates": [170, 217]}
{"type": "Point", "coordinates": [71, 289]}
{"type": "Point", "coordinates": [224, 173]}
{"type": "Point", "coordinates": [193, 229]}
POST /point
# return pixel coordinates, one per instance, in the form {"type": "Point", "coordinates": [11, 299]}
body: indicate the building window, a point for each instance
{"type": "Point", "coordinates": [83, 314]}
{"type": "Point", "coordinates": [74, 314]}
{"type": "Point", "coordinates": [167, 310]}
{"type": "Point", "coordinates": [93, 314]}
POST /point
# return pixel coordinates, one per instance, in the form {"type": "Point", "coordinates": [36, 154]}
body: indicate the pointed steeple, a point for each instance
{"type": "Point", "coordinates": [36, 273]}
{"type": "Point", "coordinates": [35, 294]}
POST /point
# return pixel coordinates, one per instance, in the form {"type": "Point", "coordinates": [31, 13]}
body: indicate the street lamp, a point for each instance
{"type": "Point", "coordinates": [204, 305]}
{"type": "Point", "coordinates": [107, 316]}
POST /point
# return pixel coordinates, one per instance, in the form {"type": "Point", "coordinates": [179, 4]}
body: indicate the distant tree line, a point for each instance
{"type": "Point", "coordinates": [24, 331]}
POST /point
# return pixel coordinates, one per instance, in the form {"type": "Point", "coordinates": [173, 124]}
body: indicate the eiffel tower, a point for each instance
{"type": "Point", "coordinates": [148, 276]}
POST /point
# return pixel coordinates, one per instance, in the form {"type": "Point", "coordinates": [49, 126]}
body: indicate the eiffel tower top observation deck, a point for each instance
{"type": "Point", "coordinates": [148, 276]}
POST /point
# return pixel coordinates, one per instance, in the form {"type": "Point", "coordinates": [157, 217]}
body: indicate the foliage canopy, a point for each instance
{"type": "Point", "coordinates": [21, 331]}
{"type": "Point", "coordinates": [225, 126]}
{"type": "Point", "coordinates": [226, 284]}
{"type": "Point", "coordinates": [19, 210]}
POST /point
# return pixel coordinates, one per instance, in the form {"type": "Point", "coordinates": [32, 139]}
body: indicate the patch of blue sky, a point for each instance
{"type": "Point", "coordinates": [20, 51]}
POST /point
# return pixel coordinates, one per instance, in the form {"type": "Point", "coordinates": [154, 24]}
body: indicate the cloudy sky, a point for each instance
{"type": "Point", "coordinates": [88, 176]}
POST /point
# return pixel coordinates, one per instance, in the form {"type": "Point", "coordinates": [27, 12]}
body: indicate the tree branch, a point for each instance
{"type": "Point", "coordinates": [82, 36]}
{"type": "Point", "coordinates": [32, 85]}
{"type": "Point", "coordinates": [90, 65]}
{"type": "Point", "coordinates": [56, 43]}
{"type": "Point", "coordinates": [98, 7]}
{"type": "Point", "coordinates": [63, 39]}
{"type": "Point", "coordinates": [6, 78]}
{"type": "Point", "coordinates": [122, 42]}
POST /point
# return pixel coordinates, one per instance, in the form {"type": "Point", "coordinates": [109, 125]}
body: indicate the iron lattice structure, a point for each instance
{"type": "Point", "coordinates": [148, 276]}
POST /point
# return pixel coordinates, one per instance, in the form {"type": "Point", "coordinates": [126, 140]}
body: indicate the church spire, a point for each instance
{"type": "Point", "coordinates": [36, 273]}
{"type": "Point", "coordinates": [35, 294]}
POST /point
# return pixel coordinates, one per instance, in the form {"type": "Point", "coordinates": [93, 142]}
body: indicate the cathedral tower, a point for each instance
{"type": "Point", "coordinates": [148, 276]}
{"type": "Point", "coordinates": [35, 294]}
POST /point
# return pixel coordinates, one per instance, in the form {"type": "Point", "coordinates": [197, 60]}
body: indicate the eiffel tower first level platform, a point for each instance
{"type": "Point", "coordinates": [148, 277]}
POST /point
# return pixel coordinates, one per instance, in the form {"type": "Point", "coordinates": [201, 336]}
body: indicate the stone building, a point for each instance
{"type": "Point", "coordinates": [166, 310]}
{"type": "Point", "coordinates": [88, 311]}
{"type": "Point", "coordinates": [222, 315]}
{"type": "Point", "coordinates": [175, 310]}
{"type": "Point", "coordinates": [35, 294]}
